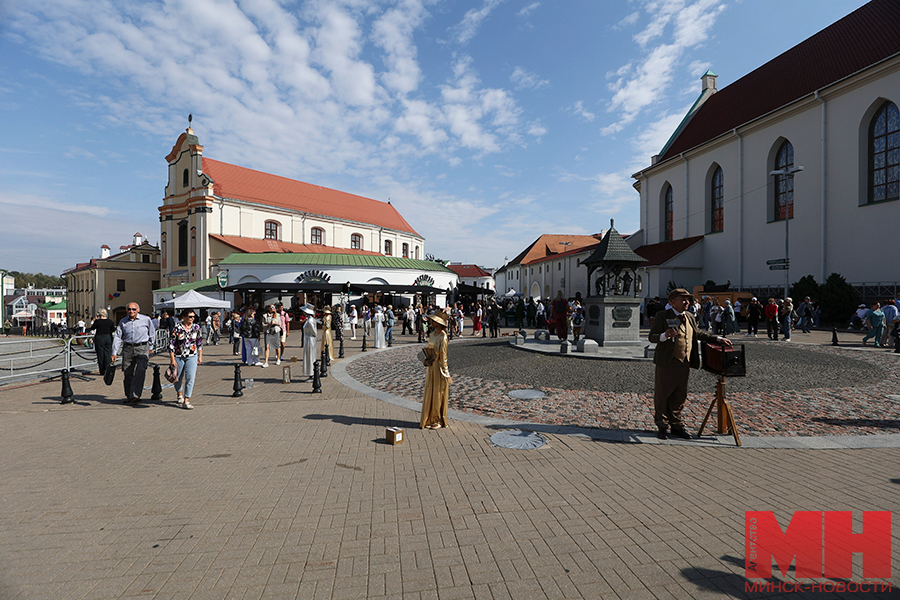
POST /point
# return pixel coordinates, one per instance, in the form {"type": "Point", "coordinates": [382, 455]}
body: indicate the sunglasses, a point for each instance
{"type": "Point", "coordinates": [130, 309]}
{"type": "Point", "coordinates": [191, 317]}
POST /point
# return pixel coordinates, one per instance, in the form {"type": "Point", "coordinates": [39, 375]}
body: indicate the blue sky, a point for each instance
{"type": "Point", "coordinates": [485, 122]}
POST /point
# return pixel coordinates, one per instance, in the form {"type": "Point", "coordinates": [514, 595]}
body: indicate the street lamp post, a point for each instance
{"type": "Point", "coordinates": [788, 173]}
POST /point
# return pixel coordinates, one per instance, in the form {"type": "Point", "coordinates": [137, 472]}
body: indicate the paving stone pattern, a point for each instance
{"type": "Point", "coordinates": [290, 495]}
{"type": "Point", "coordinates": [791, 391]}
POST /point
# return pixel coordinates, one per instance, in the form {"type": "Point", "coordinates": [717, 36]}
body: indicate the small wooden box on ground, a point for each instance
{"type": "Point", "coordinates": [394, 435]}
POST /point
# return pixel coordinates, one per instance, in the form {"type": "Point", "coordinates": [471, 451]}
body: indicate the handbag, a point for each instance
{"type": "Point", "coordinates": [110, 374]}
{"type": "Point", "coordinates": [172, 374]}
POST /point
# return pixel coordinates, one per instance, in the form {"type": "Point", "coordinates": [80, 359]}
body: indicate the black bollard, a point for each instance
{"type": "Point", "coordinates": [341, 349]}
{"type": "Point", "coordinates": [238, 385]}
{"type": "Point", "coordinates": [326, 355]}
{"type": "Point", "coordinates": [364, 341]}
{"type": "Point", "coordinates": [156, 388]}
{"type": "Point", "coordinates": [834, 340]}
{"type": "Point", "coordinates": [324, 365]}
{"type": "Point", "coordinates": [67, 394]}
{"type": "Point", "coordinates": [317, 383]}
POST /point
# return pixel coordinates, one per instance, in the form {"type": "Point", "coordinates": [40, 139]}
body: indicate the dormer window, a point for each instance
{"type": "Point", "coordinates": [272, 228]}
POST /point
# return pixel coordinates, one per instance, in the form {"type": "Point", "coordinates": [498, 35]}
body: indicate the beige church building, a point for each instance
{"type": "Point", "coordinates": [716, 201]}
{"type": "Point", "coordinates": [212, 209]}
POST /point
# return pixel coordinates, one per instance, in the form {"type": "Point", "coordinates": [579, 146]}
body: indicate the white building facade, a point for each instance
{"type": "Point", "coordinates": [212, 209]}
{"type": "Point", "coordinates": [828, 105]}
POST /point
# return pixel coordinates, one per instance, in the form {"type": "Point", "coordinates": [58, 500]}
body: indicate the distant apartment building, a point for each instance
{"type": "Point", "coordinates": [112, 281]}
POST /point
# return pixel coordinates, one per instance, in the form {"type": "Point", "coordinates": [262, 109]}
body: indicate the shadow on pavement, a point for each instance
{"type": "Point", "coordinates": [346, 420]}
{"type": "Point", "coordinates": [880, 423]}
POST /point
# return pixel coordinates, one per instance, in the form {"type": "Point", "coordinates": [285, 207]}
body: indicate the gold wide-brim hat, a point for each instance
{"type": "Point", "coordinates": [439, 317]}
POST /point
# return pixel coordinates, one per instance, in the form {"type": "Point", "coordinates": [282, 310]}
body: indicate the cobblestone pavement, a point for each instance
{"type": "Point", "coordinates": [283, 493]}
{"type": "Point", "coordinates": [790, 391]}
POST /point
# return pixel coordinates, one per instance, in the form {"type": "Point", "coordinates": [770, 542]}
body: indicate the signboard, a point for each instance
{"type": "Point", "coordinates": [779, 267]}
{"type": "Point", "coordinates": [778, 261]}
{"type": "Point", "coordinates": [314, 276]}
{"type": "Point", "coordinates": [222, 278]}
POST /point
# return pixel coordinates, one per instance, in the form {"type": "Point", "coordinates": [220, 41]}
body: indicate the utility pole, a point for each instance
{"type": "Point", "coordinates": [566, 270]}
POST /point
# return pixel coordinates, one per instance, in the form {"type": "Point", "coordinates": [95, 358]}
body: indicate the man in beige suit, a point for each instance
{"type": "Point", "coordinates": [677, 338]}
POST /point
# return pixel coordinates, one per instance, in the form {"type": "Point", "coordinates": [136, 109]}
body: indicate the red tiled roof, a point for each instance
{"type": "Point", "coordinates": [579, 250]}
{"type": "Point", "coordinates": [468, 270]}
{"type": "Point", "coordinates": [658, 254]}
{"type": "Point", "coordinates": [864, 37]}
{"type": "Point", "coordinates": [241, 183]}
{"type": "Point", "coordinates": [243, 244]}
{"type": "Point", "coordinates": [551, 245]}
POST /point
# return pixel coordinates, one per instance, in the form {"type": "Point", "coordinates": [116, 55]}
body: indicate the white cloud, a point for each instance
{"type": "Point", "coordinates": [638, 85]}
{"type": "Point", "coordinates": [466, 29]}
{"type": "Point", "coordinates": [579, 110]}
{"type": "Point", "coordinates": [526, 11]}
{"type": "Point", "coordinates": [393, 32]}
{"type": "Point", "coordinates": [523, 79]}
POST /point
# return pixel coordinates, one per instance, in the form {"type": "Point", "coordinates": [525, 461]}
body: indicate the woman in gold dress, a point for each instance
{"type": "Point", "coordinates": [437, 378]}
{"type": "Point", "coordinates": [327, 338]}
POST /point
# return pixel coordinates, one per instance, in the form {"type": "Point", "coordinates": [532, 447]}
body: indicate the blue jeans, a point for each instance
{"type": "Point", "coordinates": [786, 326]}
{"type": "Point", "coordinates": [187, 370]}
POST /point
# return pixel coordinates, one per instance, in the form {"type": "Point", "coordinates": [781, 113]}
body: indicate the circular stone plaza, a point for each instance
{"type": "Point", "coordinates": [802, 392]}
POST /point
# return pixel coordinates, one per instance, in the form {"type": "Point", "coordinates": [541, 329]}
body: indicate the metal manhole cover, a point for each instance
{"type": "Point", "coordinates": [518, 439]}
{"type": "Point", "coordinates": [526, 394]}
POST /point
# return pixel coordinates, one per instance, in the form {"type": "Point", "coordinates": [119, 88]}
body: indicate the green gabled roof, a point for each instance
{"type": "Point", "coordinates": [336, 260]}
{"type": "Point", "coordinates": [203, 285]}
{"type": "Point", "coordinates": [62, 305]}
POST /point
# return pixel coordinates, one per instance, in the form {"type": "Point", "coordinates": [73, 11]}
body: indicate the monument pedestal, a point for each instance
{"type": "Point", "coordinates": [613, 320]}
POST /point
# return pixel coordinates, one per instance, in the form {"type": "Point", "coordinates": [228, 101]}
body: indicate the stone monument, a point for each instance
{"type": "Point", "coordinates": [612, 307]}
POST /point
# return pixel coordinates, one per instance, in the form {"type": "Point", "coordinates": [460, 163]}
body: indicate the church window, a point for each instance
{"type": "Point", "coordinates": [717, 218]}
{"type": "Point", "coordinates": [405, 249]}
{"type": "Point", "coordinates": [884, 154]}
{"type": "Point", "coordinates": [417, 253]}
{"type": "Point", "coordinates": [272, 230]}
{"type": "Point", "coordinates": [317, 236]}
{"type": "Point", "coordinates": [182, 244]}
{"type": "Point", "coordinates": [356, 241]}
{"type": "Point", "coordinates": [784, 184]}
{"type": "Point", "coordinates": [388, 248]}
{"type": "Point", "coordinates": [185, 178]}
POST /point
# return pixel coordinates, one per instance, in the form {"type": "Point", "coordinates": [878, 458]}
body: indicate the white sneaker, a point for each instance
{"type": "Point", "coordinates": [264, 365]}
{"type": "Point", "coordinates": [278, 362]}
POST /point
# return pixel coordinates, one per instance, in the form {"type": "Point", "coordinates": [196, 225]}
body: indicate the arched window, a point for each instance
{"type": "Point", "coordinates": [317, 236]}
{"type": "Point", "coordinates": [717, 212]}
{"type": "Point", "coordinates": [185, 178]}
{"type": "Point", "coordinates": [388, 248]}
{"type": "Point", "coordinates": [272, 228]}
{"type": "Point", "coordinates": [784, 184]}
{"type": "Point", "coordinates": [669, 215]}
{"type": "Point", "coordinates": [884, 154]}
{"type": "Point", "coordinates": [356, 241]}
{"type": "Point", "coordinates": [417, 253]}
{"type": "Point", "coordinates": [182, 244]}
{"type": "Point", "coordinates": [405, 249]}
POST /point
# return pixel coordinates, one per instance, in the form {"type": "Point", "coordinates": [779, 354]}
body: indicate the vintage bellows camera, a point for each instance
{"type": "Point", "coordinates": [724, 360]}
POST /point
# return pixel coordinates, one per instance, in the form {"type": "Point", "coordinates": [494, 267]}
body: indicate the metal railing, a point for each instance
{"type": "Point", "coordinates": [30, 358]}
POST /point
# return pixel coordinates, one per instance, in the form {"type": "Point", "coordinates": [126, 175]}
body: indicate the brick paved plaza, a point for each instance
{"type": "Point", "coordinates": [287, 494]}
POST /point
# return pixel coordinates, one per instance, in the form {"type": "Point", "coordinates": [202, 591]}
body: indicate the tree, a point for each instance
{"type": "Point", "coordinates": [837, 299]}
{"type": "Point", "coordinates": [38, 280]}
{"type": "Point", "coordinates": [807, 286]}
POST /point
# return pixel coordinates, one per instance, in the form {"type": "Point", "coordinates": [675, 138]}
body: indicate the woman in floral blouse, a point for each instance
{"type": "Point", "coordinates": [185, 353]}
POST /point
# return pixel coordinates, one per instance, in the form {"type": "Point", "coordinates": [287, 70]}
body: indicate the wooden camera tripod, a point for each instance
{"type": "Point", "coordinates": [725, 415]}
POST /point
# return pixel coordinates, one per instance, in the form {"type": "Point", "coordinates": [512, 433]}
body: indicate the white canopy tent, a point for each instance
{"type": "Point", "coordinates": [193, 299]}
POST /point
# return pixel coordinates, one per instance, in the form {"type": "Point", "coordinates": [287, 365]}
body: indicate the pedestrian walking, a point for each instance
{"type": "Point", "coordinates": [771, 312]}
{"type": "Point", "coordinates": [104, 329]}
{"type": "Point", "coordinates": [874, 322]}
{"type": "Point", "coordinates": [134, 337]}
{"type": "Point", "coordinates": [185, 354]}
{"type": "Point", "coordinates": [354, 320]}
{"type": "Point", "coordinates": [271, 328]}
{"type": "Point", "coordinates": [250, 338]}
{"type": "Point", "coordinates": [786, 314]}
{"type": "Point", "coordinates": [378, 319]}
